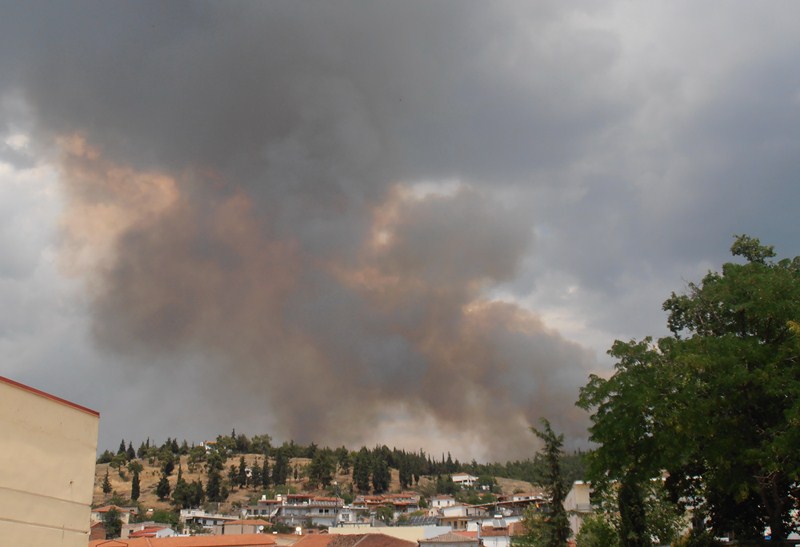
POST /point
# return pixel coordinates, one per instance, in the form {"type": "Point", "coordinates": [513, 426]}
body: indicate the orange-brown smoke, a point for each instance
{"type": "Point", "coordinates": [334, 345]}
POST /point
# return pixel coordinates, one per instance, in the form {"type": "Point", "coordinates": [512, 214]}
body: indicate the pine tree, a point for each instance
{"type": "Point", "coordinates": [131, 452]}
{"type": "Point", "coordinates": [361, 468]}
{"type": "Point", "coordinates": [255, 473]}
{"type": "Point", "coordinates": [163, 489]}
{"type": "Point", "coordinates": [241, 476]}
{"type": "Point", "coordinates": [280, 471]}
{"type": "Point", "coordinates": [122, 448]}
{"type": "Point", "coordinates": [181, 494]}
{"type": "Point", "coordinates": [214, 486]}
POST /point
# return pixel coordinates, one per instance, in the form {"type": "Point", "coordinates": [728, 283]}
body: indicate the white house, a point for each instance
{"type": "Point", "coordinates": [464, 480]}
{"type": "Point", "coordinates": [577, 503]}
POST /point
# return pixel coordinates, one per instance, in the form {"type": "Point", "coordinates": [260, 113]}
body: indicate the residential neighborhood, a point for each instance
{"type": "Point", "coordinates": [423, 499]}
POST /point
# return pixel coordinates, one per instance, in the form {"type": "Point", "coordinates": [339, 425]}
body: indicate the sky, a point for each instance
{"type": "Point", "coordinates": [413, 223]}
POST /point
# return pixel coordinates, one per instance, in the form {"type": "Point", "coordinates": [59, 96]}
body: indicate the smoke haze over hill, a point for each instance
{"type": "Point", "coordinates": [357, 222]}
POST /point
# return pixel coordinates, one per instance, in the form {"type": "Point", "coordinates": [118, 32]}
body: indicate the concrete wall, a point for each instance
{"type": "Point", "coordinates": [46, 468]}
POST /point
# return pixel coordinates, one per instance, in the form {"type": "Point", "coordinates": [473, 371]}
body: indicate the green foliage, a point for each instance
{"type": "Point", "coordinates": [381, 476]}
{"type": "Point", "coordinates": [118, 500]}
{"type": "Point", "coordinates": [241, 476]}
{"type": "Point", "coordinates": [361, 469]}
{"type": "Point", "coordinates": [187, 495]}
{"type": "Point", "coordinates": [538, 529]}
{"type": "Point", "coordinates": [445, 485]}
{"type": "Point", "coordinates": [550, 528]}
{"type": "Point", "coordinates": [321, 469]}
{"type": "Point", "coordinates": [261, 444]}
{"type": "Point", "coordinates": [112, 522]}
{"type": "Point", "coordinates": [106, 484]}
{"type": "Point", "coordinates": [343, 460]}
{"type": "Point", "coordinates": [214, 486]}
{"type": "Point", "coordinates": [597, 531]}
{"type": "Point", "coordinates": [385, 514]}
{"type": "Point", "coordinates": [163, 516]}
{"type": "Point", "coordinates": [280, 470]}
{"type": "Point", "coordinates": [135, 485]}
{"type": "Point", "coordinates": [716, 404]}
{"type": "Point", "coordinates": [697, 539]}
{"type": "Point", "coordinates": [163, 488]}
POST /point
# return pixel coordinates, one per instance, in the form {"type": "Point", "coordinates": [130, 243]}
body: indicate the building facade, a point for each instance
{"type": "Point", "coordinates": [46, 467]}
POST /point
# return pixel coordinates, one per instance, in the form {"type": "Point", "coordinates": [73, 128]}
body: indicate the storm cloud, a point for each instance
{"type": "Point", "coordinates": [337, 218]}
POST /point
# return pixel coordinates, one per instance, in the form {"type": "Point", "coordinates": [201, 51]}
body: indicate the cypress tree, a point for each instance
{"type": "Point", "coordinates": [106, 484]}
{"type": "Point", "coordinates": [361, 467]}
{"type": "Point", "coordinates": [241, 476]}
{"type": "Point", "coordinates": [135, 484]}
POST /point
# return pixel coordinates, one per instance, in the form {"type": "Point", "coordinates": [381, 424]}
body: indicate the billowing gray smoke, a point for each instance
{"type": "Point", "coordinates": [305, 193]}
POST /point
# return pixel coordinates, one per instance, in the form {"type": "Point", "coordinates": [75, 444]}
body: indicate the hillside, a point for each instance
{"type": "Point", "coordinates": [150, 475]}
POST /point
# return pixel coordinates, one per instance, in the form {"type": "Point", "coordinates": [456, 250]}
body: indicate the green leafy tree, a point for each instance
{"type": "Point", "coordinates": [597, 531]}
{"type": "Point", "coordinates": [381, 476]}
{"type": "Point", "coordinates": [214, 486]}
{"type": "Point", "coordinates": [361, 469]}
{"type": "Point", "coordinates": [261, 444]}
{"type": "Point", "coordinates": [551, 527]}
{"type": "Point", "coordinates": [445, 485]}
{"type": "Point", "coordinates": [280, 471]}
{"type": "Point", "coordinates": [164, 516]}
{"type": "Point", "coordinates": [404, 473]}
{"type": "Point", "coordinates": [343, 460]}
{"type": "Point", "coordinates": [716, 404]}
{"type": "Point", "coordinates": [163, 488]}
{"type": "Point", "coordinates": [385, 514]}
{"type": "Point", "coordinates": [233, 476]}
{"type": "Point", "coordinates": [320, 470]}
{"type": "Point", "coordinates": [256, 479]}
{"type": "Point", "coordinates": [196, 494]}
{"type": "Point", "coordinates": [112, 523]}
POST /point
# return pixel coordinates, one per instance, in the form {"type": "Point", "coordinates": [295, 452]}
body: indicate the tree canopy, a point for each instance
{"type": "Point", "coordinates": [550, 528]}
{"type": "Point", "coordinates": [715, 405]}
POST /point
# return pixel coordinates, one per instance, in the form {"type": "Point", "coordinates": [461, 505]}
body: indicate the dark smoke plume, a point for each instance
{"type": "Point", "coordinates": [304, 192]}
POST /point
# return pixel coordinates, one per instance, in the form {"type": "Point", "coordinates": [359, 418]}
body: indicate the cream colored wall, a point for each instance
{"type": "Point", "coordinates": [409, 533]}
{"type": "Point", "coordinates": [46, 470]}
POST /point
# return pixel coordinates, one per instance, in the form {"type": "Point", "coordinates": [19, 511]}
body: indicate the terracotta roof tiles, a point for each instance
{"type": "Point", "coordinates": [235, 540]}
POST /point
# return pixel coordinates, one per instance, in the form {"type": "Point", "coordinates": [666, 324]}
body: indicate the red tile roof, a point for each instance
{"type": "Point", "coordinates": [234, 540]}
{"type": "Point", "coordinates": [147, 532]}
{"type": "Point", "coordinates": [451, 537]}
{"type": "Point", "coordinates": [369, 540]}
{"type": "Point", "coordinates": [314, 540]}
